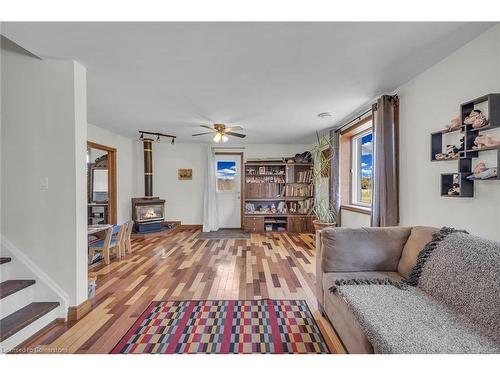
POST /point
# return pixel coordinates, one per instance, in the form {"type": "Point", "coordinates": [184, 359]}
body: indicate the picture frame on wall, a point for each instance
{"type": "Point", "coordinates": [185, 174]}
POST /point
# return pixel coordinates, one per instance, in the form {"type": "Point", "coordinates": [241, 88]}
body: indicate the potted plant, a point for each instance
{"type": "Point", "coordinates": [324, 216]}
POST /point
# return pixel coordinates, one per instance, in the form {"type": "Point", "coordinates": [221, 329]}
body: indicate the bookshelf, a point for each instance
{"type": "Point", "coordinates": [278, 196]}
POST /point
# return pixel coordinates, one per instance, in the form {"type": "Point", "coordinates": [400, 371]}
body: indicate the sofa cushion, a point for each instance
{"type": "Point", "coordinates": [346, 325]}
{"type": "Point", "coordinates": [409, 321]}
{"type": "Point", "coordinates": [340, 314]}
{"type": "Point", "coordinates": [363, 249]}
{"type": "Point", "coordinates": [418, 238]}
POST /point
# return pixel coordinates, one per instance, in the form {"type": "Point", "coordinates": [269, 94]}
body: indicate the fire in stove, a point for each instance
{"type": "Point", "coordinates": [149, 212]}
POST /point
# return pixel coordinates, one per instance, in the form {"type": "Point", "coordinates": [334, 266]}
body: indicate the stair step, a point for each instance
{"type": "Point", "coordinates": [5, 260]}
{"type": "Point", "coordinates": [15, 322]}
{"type": "Point", "coordinates": [11, 286]}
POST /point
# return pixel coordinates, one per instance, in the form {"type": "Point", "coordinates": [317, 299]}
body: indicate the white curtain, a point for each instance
{"type": "Point", "coordinates": [210, 211]}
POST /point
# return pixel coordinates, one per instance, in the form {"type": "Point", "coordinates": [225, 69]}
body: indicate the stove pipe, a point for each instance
{"type": "Point", "coordinates": [148, 167]}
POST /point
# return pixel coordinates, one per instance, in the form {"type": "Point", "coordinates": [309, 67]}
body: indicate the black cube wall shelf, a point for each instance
{"type": "Point", "coordinates": [466, 187]}
{"type": "Point", "coordinates": [437, 143]}
{"type": "Point", "coordinates": [491, 103]}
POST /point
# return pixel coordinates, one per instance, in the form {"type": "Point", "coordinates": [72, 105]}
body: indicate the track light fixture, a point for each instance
{"type": "Point", "coordinates": [158, 136]}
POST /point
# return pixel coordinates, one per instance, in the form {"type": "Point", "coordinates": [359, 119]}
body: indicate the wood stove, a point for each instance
{"type": "Point", "coordinates": [148, 212]}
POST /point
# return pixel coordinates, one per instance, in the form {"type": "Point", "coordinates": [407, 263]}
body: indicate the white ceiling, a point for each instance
{"type": "Point", "coordinates": [271, 78]}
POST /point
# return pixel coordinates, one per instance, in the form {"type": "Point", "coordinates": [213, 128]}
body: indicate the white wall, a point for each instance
{"type": "Point", "coordinates": [350, 219]}
{"type": "Point", "coordinates": [126, 164]}
{"type": "Point", "coordinates": [428, 102]}
{"type": "Point", "coordinates": [43, 138]}
{"type": "Point", "coordinates": [184, 199]}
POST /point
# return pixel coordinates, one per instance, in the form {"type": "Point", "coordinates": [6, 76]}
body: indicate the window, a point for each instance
{"type": "Point", "coordinates": [362, 168]}
{"type": "Point", "coordinates": [226, 171]}
{"type": "Point", "coordinates": [356, 167]}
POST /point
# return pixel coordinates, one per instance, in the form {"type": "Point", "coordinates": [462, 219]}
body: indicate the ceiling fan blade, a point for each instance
{"type": "Point", "coordinates": [236, 134]}
{"type": "Point", "coordinates": [234, 128]}
{"type": "Point", "coordinates": [194, 135]}
{"type": "Point", "coordinates": [208, 127]}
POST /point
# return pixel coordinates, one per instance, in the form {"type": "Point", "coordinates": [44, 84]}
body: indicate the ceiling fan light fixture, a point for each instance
{"type": "Point", "coordinates": [225, 138]}
{"type": "Point", "coordinates": [217, 138]}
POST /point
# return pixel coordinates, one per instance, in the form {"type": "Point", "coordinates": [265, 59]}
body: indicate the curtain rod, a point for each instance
{"type": "Point", "coordinates": [357, 118]}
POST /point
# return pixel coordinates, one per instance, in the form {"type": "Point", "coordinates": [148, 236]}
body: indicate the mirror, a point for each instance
{"type": "Point", "coordinates": [100, 185]}
{"type": "Point", "coordinates": [97, 185]}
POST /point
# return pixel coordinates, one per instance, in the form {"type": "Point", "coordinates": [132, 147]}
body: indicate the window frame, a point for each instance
{"type": "Point", "coordinates": [363, 125]}
{"type": "Point", "coordinates": [355, 172]}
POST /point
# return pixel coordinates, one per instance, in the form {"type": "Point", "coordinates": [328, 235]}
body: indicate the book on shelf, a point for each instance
{"type": "Point", "coordinates": [299, 191]}
{"type": "Point", "coordinates": [304, 176]}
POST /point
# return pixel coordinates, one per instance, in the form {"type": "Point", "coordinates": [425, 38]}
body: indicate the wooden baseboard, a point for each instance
{"type": "Point", "coordinates": [191, 226]}
{"type": "Point", "coordinates": [78, 312]}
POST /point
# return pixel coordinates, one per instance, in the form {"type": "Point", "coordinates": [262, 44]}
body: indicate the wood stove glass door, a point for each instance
{"type": "Point", "coordinates": [228, 180]}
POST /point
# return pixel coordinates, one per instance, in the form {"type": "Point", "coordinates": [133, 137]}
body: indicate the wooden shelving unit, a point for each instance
{"type": "Point", "coordinates": [490, 105]}
{"type": "Point", "coordinates": [278, 196]}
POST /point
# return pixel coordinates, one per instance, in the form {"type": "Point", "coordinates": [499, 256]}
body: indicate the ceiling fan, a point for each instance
{"type": "Point", "coordinates": [221, 132]}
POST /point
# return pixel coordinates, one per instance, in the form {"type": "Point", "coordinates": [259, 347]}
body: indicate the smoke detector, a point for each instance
{"type": "Point", "coordinates": [325, 114]}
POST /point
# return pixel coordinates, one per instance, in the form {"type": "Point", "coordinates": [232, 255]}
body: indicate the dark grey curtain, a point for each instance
{"type": "Point", "coordinates": [334, 180]}
{"type": "Point", "coordinates": [385, 206]}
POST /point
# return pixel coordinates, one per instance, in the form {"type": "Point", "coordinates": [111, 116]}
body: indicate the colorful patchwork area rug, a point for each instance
{"type": "Point", "coordinates": [261, 326]}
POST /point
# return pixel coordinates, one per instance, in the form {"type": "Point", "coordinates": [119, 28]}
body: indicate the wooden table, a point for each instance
{"type": "Point", "coordinates": [93, 229]}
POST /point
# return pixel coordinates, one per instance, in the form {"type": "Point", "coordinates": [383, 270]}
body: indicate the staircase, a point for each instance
{"type": "Point", "coordinates": [22, 315]}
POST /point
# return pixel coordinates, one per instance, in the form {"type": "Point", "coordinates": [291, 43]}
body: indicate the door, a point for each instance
{"type": "Point", "coordinates": [228, 175]}
{"type": "Point", "coordinates": [101, 166]}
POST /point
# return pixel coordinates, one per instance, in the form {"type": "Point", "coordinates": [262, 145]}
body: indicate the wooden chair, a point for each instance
{"type": "Point", "coordinates": [102, 246]}
{"type": "Point", "coordinates": [109, 244]}
{"type": "Point", "coordinates": [127, 245]}
{"type": "Point", "coordinates": [117, 242]}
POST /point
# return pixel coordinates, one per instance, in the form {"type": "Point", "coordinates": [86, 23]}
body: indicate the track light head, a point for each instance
{"type": "Point", "coordinates": [158, 136]}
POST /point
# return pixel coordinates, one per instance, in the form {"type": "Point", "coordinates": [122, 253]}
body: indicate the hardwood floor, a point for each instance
{"type": "Point", "coordinates": [177, 266]}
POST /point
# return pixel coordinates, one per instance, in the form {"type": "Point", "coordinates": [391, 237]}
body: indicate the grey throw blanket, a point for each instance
{"type": "Point", "coordinates": [449, 304]}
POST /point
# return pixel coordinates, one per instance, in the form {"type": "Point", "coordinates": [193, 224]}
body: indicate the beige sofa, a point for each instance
{"type": "Point", "coordinates": [345, 253]}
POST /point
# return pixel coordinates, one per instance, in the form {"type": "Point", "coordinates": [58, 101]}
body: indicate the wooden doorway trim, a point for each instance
{"type": "Point", "coordinates": [242, 172]}
{"type": "Point", "coordinates": [111, 178]}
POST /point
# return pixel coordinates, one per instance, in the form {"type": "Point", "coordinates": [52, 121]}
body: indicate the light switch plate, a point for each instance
{"type": "Point", "coordinates": [44, 183]}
